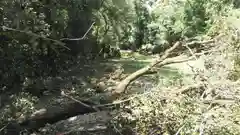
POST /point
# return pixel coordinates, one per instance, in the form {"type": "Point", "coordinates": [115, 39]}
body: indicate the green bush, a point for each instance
{"type": "Point", "coordinates": [175, 21]}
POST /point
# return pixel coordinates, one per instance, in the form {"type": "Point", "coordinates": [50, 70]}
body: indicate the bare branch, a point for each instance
{"type": "Point", "coordinates": [173, 61]}
{"type": "Point", "coordinates": [191, 51]}
{"type": "Point", "coordinates": [116, 103]}
{"type": "Point", "coordinates": [4, 127]}
{"type": "Point", "coordinates": [121, 87]}
{"type": "Point", "coordinates": [187, 88]}
{"type": "Point", "coordinates": [180, 129]}
{"type": "Point", "coordinates": [35, 35]}
{"type": "Point", "coordinates": [81, 38]}
{"type": "Point", "coordinates": [220, 101]}
{"type": "Point", "coordinates": [78, 101]}
{"type": "Point", "coordinates": [199, 42]}
{"type": "Point", "coordinates": [160, 61]}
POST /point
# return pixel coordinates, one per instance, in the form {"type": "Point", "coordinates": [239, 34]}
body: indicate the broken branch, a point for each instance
{"type": "Point", "coordinates": [35, 35]}
{"type": "Point", "coordinates": [81, 38]}
{"type": "Point", "coordinates": [200, 42]}
{"type": "Point", "coordinates": [78, 101]}
{"type": "Point", "coordinates": [121, 87]}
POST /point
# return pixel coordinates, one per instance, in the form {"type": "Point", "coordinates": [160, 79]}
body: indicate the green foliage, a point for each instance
{"type": "Point", "coordinates": [168, 24]}
{"type": "Point", "coordinates": [180, 20]}
{"type": "Point", "coordinates": [113, 23]}
{"type": "Point", "coordinates": [195, 17]}
{"type": "Point", "coordinates": [141, 23]}
{"type": "Point", "coordinates": [160, 25]}
{"type": "Point", "coordinates": [20, 51]}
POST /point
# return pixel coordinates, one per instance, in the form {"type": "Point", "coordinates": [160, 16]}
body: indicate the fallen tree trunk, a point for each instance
{"type": "Point", "coordinates": [48, 115]}
{"type": "Point", "coordinates": [160, 62]}
{"type": "Point", "coordinates": [92, 122]}
{"type": "Point", "coordinates": [121, 87]}
{"type": "Point", "coordinates": [53, 114]}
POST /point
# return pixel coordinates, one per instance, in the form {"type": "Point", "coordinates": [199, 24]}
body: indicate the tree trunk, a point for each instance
{"type": "Point", "coordinates": [121, 87]}
{"type": "Point", "coordinates": [92, 123]}
{"type": "Point", "coordinates": [49, 115]}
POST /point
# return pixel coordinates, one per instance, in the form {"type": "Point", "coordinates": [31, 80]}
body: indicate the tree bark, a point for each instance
{"type": "Point", "coordinates": [93, 123]}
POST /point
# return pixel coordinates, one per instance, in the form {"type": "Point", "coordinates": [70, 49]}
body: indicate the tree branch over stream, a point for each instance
{"type": "Point", "coordinates": [122, 86]}
{"type": "Point", "coordinates": [160, 62]}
